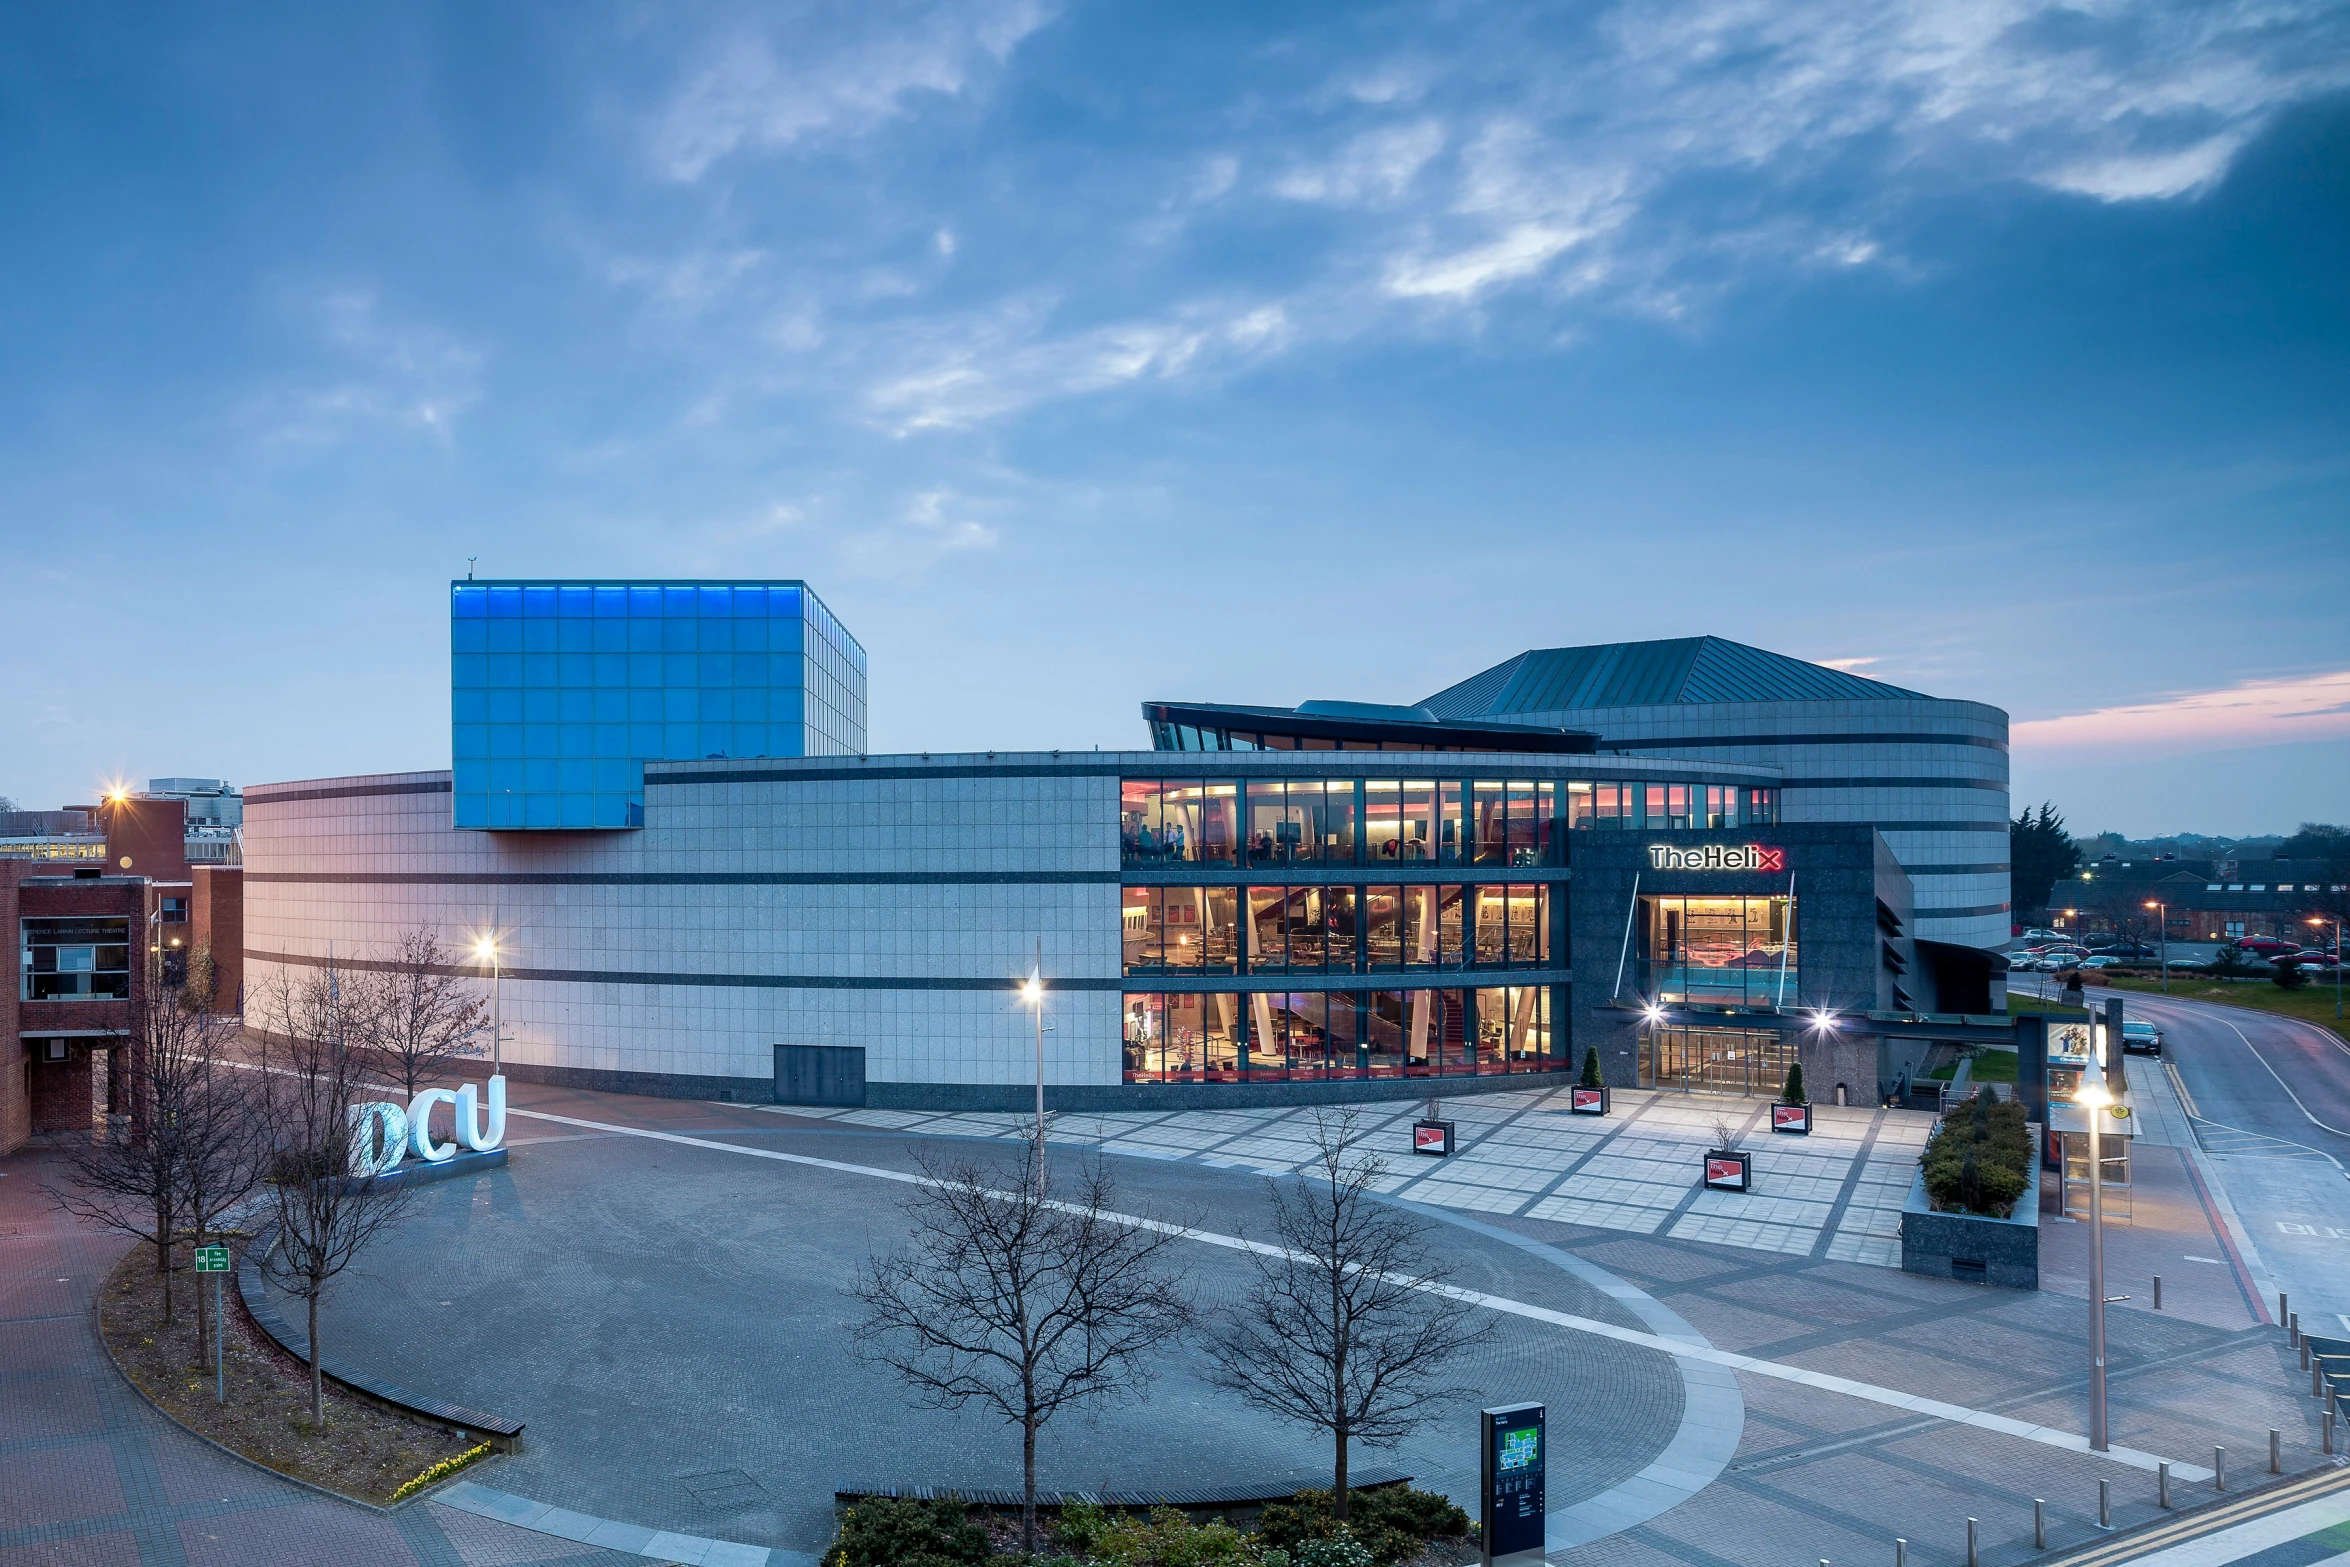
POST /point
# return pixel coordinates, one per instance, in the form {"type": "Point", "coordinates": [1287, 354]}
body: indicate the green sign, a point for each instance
{"type": "Point", "coordinates": [212, 1259]}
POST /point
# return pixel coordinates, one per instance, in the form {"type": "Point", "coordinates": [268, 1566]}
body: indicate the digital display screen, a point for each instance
{"type": "Point", "coordinates": [1519, 1449]}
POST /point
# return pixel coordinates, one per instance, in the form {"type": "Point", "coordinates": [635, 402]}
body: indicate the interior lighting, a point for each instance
{"type": "Point", "coordinates": [1654, 1013]}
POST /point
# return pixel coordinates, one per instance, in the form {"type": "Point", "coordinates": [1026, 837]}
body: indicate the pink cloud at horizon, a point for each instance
{"type": "Point", "coordinates": [2251, 713]}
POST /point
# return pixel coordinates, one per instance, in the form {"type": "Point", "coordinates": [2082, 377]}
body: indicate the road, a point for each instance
{"type": "Point", "coordinates": [2271, 1097]}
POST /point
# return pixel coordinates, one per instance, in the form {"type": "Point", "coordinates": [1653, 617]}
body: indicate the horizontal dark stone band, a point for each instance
{"type": "Point", "coordinates": [1924, 912]}
{"type": "Point", "coordinates": [1986, 743]}
{"type": "Point", "coordinates": [360, 791]}
{"type": "Point", "coordinates": [1996, 868]}
{"type": "Point", "coordinates": [1999, 827]}
{"type": "Point", "coordinates": [1999, 784]}
{"type": "Point", "coordinates": [686, 878]}
{"type": "Point", "coordinates": [563, 976]}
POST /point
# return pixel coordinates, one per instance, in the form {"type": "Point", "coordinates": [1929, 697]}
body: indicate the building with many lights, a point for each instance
{"type": "Point", "coordinates": [1337, 900]}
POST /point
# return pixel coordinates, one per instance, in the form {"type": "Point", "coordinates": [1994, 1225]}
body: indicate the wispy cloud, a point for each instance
{"type": "Point", "coordinates": [383, 371]}
{"type": "Point", "coordinates": [845, 72]}
{"type": "Point", "coordinates": [2250, 713]}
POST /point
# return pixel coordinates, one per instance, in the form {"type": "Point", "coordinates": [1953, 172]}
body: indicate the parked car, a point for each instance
{"type": "Point", "coordinates": [2140, 1037]}
{"type": "Point", "coordinates": [2099, 960]}
{"type": "Point", "coordinates": [2266, 946]}
{"type": "Point", "coordinates": [2324, 960]}
{"type": "Point", "coordinates": [2130, 950]}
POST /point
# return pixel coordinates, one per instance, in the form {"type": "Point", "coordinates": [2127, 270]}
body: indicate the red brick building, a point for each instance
{"type": "Point", "coordinates": [74, 979]}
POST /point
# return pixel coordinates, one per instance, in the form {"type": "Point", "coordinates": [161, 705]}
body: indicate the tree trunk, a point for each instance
{"type": "Point", "coordinates": [1028, 1481]}
{"type": "Point", "coordinates": [317, 1378]}
{"type": "Point", "coordinates": [1338, 1470]}
{"type": "Point", "coordinates": [163, 1257]}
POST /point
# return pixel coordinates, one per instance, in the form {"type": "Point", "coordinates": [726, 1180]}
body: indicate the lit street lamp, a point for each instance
{"type": "Point", "coordinates": [2337, 964]}
{"type": "Point", "coordinates": [2163, 912]}
{"type": "Point", "coordinates": [2093, 1096]}
{"type": "Point", "coordinates": [1032, 995]}
{"type": "Point", "coordinates": [486, 950]}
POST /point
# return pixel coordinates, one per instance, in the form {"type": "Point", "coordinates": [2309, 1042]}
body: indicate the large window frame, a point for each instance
{"type": "Point", "coordinates": [1342, 1035]}
{"type": "Point", "coordinates": [74, 958]}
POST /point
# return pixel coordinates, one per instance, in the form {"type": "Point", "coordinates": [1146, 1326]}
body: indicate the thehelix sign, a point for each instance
{"type": "Point", "coordinates": [1716, 857]}
{"type": "Point", "coordinates": [383, 1134]}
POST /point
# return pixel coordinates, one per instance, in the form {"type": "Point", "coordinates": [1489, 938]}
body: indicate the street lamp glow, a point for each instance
{"type": "Point", "coordinates": [1823, 1018]}
{"type": "Point", "coordinates": [1032, 991]}
{"type": "Point", "coordinates": [485, 949]}
{"type": "Point", "coordinates": [1654, 1013]}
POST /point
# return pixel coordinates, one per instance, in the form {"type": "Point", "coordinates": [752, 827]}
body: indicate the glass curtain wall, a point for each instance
{"type": "Point", "coordinates": [1337, 930]}
{"type": "Point", "coordinates": [1339, 821]}
{"type": "Point", "coordinates": [1740, 952]}
{"type": "Point", "coordinates": [1319, 1036]}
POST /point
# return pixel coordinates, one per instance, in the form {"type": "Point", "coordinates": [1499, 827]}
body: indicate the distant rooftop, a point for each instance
{"type": "Point", "coordinates": [1348, 726]}
{"type": "Point", "coordinates": [1647, 674]}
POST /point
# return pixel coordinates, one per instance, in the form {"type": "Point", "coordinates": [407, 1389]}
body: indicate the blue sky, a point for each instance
{"type": "Point", "coordinates": [1085, 354]}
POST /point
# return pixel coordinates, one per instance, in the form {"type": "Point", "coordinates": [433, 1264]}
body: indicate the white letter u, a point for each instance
{"type": "Point", "coordinates": [472, 1133]}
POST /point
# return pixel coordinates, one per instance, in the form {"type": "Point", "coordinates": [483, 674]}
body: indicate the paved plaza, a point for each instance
{"type": "Point", "coordinates": [655, 1287]}
{"type": "Point", "coordinates": [1835, 1194]}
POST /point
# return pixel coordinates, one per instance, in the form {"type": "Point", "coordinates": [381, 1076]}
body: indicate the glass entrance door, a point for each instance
{"type": "Point", "coordinates": [1745, 1062]}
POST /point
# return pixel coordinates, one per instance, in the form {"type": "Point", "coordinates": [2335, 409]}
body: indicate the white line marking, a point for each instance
{"type": "Point", "coordinates": [1957, 1414]}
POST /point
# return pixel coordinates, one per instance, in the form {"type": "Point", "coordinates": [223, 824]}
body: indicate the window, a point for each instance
{"type": "Point", "coordinates": [1315, 1036]}
{"type": "Point", "coordinates": [1739, 1061]}
{"type": "Point", "coordinates": [1336, 929]}
{"type": "Point", "coordinates": [171, 911]}
{"type": "Point", "coordinates": [76, 960]}
{"type": "Point", "coordinates": [1718, 951]}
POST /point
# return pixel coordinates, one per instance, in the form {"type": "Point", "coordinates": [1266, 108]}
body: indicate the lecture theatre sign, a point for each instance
{"type": "Point", "coordinates": [1716, 857]}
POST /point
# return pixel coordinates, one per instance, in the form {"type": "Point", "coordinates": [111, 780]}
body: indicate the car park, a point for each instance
{"type": "Point", "coordinates": [2266, 946]}
{"type": "Point", "coordinates": [2140, 1037]}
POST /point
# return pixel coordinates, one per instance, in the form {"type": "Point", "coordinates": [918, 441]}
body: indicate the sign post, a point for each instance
{"type": "Point", "coordinates": [214, 1260]}
{"type": "Point", "coordinates": [1511, 1511]}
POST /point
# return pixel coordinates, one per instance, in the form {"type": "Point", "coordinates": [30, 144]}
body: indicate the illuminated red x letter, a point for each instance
{"type": "Point", "coordinates": [1770, 859]}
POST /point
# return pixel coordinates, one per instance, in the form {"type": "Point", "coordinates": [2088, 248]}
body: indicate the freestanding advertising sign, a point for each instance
{"type": "Point", "coordinates": [1432, 1137]}
{"type": "Point", "coordinates": [1510, 1504]}
{"type": "Point", "coordinates": [1587, 1101]}
{"type": "Point", "coordinates": [1795, 1119]}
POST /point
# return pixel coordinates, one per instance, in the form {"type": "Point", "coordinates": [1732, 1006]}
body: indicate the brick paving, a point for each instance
{"type": "Point", "coordinates": [89, 1474]}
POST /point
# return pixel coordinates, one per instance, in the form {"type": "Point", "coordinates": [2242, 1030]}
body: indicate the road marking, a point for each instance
{"type": "Point", "coordinates": [2217, 1262]}
{"type": "Point", "coordinates": [1956, 1414]}
{"type": "Point", "coordinates": [2324, 1231]}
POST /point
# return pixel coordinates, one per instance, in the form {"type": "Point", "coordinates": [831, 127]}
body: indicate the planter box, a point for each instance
{"type": "Point", "coordinates": [1587, 1101]}
{"type": "Point", "coordinates": [1729, 1172]}
{"type": "Point", "coordinates": [1970, 1247]}
{"type": "Point", "coordinates": [1795, 1120]}
{"type": "Point", "coordinates": [1432, 1137]}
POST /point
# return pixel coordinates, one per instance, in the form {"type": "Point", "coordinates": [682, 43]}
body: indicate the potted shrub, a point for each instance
{"type": "Point", "coordinates": [1792, 1114]}
{"type": "Point", "coordinates": [1589, 1096]}
{"type": "Point", "coordinates": [1431, 1134]}
{"type": "Point", "coordinates": [1727, 1168]}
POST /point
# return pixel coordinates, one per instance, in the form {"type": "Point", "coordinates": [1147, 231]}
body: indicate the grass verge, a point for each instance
{"type": "Point", "coordinates": [366, 1452]}
{"type": "Point", "coordinates": [2312, 1003]}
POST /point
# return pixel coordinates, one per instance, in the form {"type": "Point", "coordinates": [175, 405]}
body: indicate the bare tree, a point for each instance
{"type": "Point", "coordinates": [1023, 1305]}
{"type": "Point", "coordinates": [314, 1083]}
{"type": "Point", "coordinates": [1344, 1328]}
{"type": "Point", "coordinates": [187, 1151]}
{"type": "Point", "coordinates": [422, 1014]}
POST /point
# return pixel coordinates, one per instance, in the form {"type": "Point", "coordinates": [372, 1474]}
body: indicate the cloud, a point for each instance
{"type": "Point", "coordinates": [389, 373]}
{"type": "Point", "coordinates": [1497, 173]}
{"type": "Point", "coordinates": [2254, 712]}
{"type": "Point", "coordinates": [775, 94]}
{"type": "Point", "coordinates": [1851, 666]}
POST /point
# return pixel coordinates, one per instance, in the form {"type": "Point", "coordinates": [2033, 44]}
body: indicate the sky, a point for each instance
{"type": "Point", "coordinates": [1084, 354]}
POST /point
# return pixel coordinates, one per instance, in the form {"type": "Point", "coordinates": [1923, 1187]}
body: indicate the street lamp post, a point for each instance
{"type": "Point", "coordinates": [487, 950]}
{"type": "Point", "coordinates": [2162, 912]}
{"type": "Point", "coordinates": [2337, 964]}
{"type": "Point", "coordinates": [2093, 1096]}
{"type": "Point", "coordinates": [1033, 993]}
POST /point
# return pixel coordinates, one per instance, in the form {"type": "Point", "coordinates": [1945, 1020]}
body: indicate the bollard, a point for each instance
{"type": "Point", "coordinates": [2276, 1451]}
{"type": "Point", "coordinates": [2305, 1355]}
{"type": "Point", "coordinates": [2105, 1504]}
{"type": "Point", "coordinates": [2158, 1292]}
{"type": "Point", "coordinates": [2293, 1333]}
{"type": "Point", "coordinates": [1972, 1560]}
{"type": "Point", "coordinates": [2329, 1433]}
{"type": "Point", "coordinates": [2039, 1524]}
{"type": "Point", "coordinates": [2219, 1469]}
{"type": "Point", "coordinates": [2162, 1484]}
{"type": "Point", "coordinates": [1900, 1552]}
{"type": "Point", "coordinates": [2282, 1314]}
{"type": "Point", "coordinates": [2317, 1382]}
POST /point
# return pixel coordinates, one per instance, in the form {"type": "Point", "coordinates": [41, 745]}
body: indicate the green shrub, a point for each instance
{"type": "Point", "coordinates": [1392, 1523]}
{"type": "Point", "coordinates": [1165, 1539]}
{"type": "Point", "coordinates": [1591, 1070]}
{"type": "Point", "coordinates": [1080, 1526]}
{"type": "Point", "coordinates": [1792, 1094]}
{"type": "Point", "coordinates": [1980, 1159]}
{"type": "Point", "coordinates": [2290, 977]}
{"type": "Point", "coordinates": [884, 1531]}
{"type": "Point", "coordinates": [1340, 1550]}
